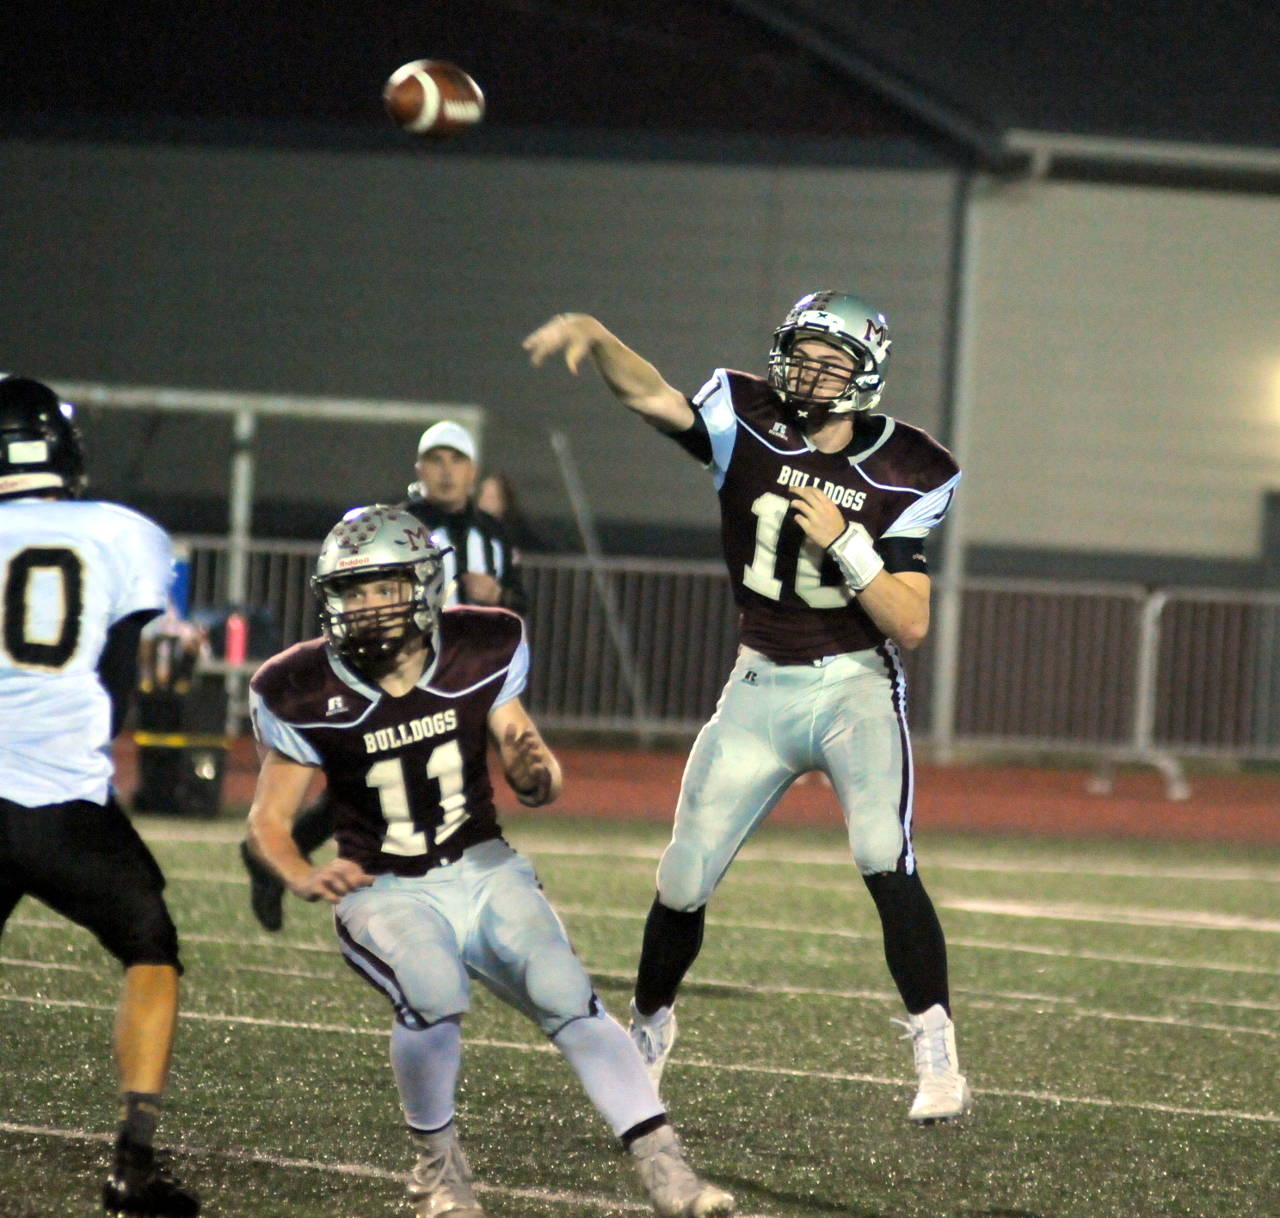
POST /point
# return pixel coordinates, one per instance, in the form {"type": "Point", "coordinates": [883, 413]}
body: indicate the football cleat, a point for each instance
{"type": "Point", "coordinates": [266, 892]}
{"type": "Point", "coordinates": [674, 1189]}
{"type": "Point", "coordinates": [141, 1184]}
{"type": "Point", "coordinates": [653, 1036]}
{"type": "Point", "coordinates": [440, 1183]}
{"type": "Point", "coordinates": [943, 1093]}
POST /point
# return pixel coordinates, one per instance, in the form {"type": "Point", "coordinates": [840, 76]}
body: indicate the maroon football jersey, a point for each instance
{"type": "Point", "coordinates": [408, 776]}
{"type": "Point", "coordinates": [893, 479]}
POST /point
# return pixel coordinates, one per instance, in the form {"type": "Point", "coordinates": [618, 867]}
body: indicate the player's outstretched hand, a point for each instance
{"type": "Point", "coordinates": [573, 334]}
{"type": "Point", "coordinates": [527, 764]}
{"type": "Point", "coordinates": [333, 881]}
{"type": "Point", "coordinates": [817, 515]}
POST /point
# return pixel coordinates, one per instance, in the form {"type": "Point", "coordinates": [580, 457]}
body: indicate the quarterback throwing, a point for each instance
{"type": "Point", "coordinates": [824, 508]}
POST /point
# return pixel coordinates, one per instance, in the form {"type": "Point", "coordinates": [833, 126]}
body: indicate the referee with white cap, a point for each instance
{"type": "Point", "coordinates": [484, 563]}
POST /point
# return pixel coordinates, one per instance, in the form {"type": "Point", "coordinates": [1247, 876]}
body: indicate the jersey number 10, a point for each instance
{"type": "Point", "coordinates": [761, 576]}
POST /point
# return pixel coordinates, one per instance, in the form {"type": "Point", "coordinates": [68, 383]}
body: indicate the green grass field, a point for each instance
{"type": "Point", "coordinates": [1118, 1010]}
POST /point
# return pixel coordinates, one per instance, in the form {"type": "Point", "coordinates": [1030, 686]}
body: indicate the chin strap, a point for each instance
{"type": "Point", "coordinates": [856, 556]}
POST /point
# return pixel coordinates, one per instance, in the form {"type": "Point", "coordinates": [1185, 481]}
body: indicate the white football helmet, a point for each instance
{"type": "Point", "coordinates": [378, 542]}
{"type": "Point", "coordinates": [847, 323]}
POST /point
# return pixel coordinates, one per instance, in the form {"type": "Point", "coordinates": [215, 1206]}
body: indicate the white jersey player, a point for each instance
{"type": "Point", "coordinates": [72, 570]}
{"type": "Point", "coordinates": [78, 581]}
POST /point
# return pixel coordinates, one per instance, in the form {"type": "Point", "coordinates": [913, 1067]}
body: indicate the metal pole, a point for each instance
{"type": "Point", "coordinates": [1144, 710]}
{"type": "Point", "coordinates": [616, 627]}
{"type": "Point", "coordinates": [950, 592]}
{"type": "Point", "coordinates": [240, 522]}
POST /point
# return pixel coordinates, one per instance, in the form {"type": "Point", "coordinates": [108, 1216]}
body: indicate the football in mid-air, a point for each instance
{"type": "Point", "coordinates": [433, 97]}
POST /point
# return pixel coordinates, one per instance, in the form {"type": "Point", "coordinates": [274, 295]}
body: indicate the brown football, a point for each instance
{"type": "Point", "coordinates": [433, 97]}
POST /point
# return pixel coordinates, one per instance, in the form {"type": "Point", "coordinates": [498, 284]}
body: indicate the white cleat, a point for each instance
{"type": "Point", "coordinates": [653, 1035]}
{"type": "Point", "coordinates": [440, 1183]}
{"type": "Point", "coordinates": [674, 1189]}
{"type": "Point", "coordinates": [944, 1093]}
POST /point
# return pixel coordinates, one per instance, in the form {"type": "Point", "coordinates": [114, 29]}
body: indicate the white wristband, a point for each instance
{"type": "Point", "coordinates": [856, 556]}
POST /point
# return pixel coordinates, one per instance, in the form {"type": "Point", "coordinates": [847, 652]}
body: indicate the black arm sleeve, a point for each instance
{"type": "Point", "coordinates": [903, 554]}
{"type": "Point", "coordinates": [695, 440]}
{"type": "Point", "coordinates": [118, 663]}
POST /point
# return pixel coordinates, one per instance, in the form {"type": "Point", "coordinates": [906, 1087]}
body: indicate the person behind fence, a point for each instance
{"type": "Point", "coordinates": [80, 580]}
{"type": "Point", "coordinates": [168, 654]}
{"type": "Point", "coordinates": [496, 494]}
{"type": "Point", "coordinates": [825, 506]}
{"type": "Point", "coordinates": [482, 568]}
{"type": "Point", "coordinates": [397, 704]}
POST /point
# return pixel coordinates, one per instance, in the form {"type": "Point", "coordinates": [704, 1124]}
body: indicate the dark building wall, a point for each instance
{"type": "Point", "coordinates": [409, 274]}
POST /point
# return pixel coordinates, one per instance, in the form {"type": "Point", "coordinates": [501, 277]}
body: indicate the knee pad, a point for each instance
{"type": "Point", "coordinates": [149, 937]}
{"type": "Point", "coordinates": [879, 850]}
{"type": "Point", "coordinates": [683, 883]}
{"type": "Point", "coordinates": [558, 987]}
{"type": "Point", "coordinates": [435, 987]}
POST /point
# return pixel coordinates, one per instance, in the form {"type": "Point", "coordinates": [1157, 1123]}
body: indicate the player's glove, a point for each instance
{"type": "Point", "coordinates": [856, 556]}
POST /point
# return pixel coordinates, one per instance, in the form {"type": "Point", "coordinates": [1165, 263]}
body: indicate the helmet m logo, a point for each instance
{"type": "Point", "coordinates": [416, 538]}
{"type": "Point", "coordinates": [875, 334]}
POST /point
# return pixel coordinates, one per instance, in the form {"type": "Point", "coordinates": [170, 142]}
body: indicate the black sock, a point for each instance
{"type": "Point", "coordinates": [914, 946]}
{"type": "Point", "coordinates": [139, 1113]}
{"type": "Point", "coordinates": [672, 940]}
{"type": "Point", "coordinates": [314, 826]}
{"type": "Point", "coordinates": [646, 1126]}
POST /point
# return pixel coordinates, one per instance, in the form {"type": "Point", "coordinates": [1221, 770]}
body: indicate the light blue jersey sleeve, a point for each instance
{"type": "Point", "coordinates": [714, 403]}
{"type": "Point", "coordinates": [275, 733]}
{"type": "Point", "coordinates": [517, 674]}
{"type": "Point", "coordinates": [926, 513]}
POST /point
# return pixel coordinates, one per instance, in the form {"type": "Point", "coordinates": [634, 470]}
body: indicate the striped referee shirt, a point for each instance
{"type": "Point", "coordinates": [479, 542]}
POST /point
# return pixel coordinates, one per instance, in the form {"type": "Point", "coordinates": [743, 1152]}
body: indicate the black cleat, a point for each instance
{"type": "Point", "coordinates": [266, 893]}
{"type": "Point", "coordinates": [145, 1186]}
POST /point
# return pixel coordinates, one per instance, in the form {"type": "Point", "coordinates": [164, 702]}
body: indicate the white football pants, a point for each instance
{"type": "Point", "coordinates": [844, 716]}
{"type": "Point", "coordinates": [420, 939]}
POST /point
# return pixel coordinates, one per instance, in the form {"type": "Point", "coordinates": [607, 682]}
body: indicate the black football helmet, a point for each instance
{"type": "Point", "coordinates": [845, 322]}
{"type": "Point", "coordinates": [40, 446]}
{"type": "Point", "coordinates": [379, 542]}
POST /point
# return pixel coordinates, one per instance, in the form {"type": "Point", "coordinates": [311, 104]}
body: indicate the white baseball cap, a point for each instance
{"type": "Point", "coordinates": [448, 434]}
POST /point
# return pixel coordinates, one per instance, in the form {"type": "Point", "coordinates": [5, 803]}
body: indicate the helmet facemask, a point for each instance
{"type": "Point", "coordinates": [368, 546]}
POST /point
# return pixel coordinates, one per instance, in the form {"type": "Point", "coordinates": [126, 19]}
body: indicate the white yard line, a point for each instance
{"type": "Point", "coordinates": [1049, 1097]}
{"type": "Point", "coordinates": [987, 999]}
{"type": "Point", "coordinates": [1066, 911]}
{"type": "Point", "coordinates": [1115, 915]}
{"type": "Point", "coordinates": [361, 1170]}
{"type": "Point", "coordinates": [631, 915]}
{"type": "Point", "coordinates": [837, 932]}
{"type": "Point", "coordinates": [231, 832]}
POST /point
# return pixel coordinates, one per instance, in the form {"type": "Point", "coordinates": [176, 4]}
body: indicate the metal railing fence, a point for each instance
{"type": "Point", "coordinates": [1099, 669]}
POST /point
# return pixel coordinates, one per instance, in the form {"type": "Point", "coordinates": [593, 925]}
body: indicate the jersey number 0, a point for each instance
{"type": "Point", "coordinates": [44, 583]}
